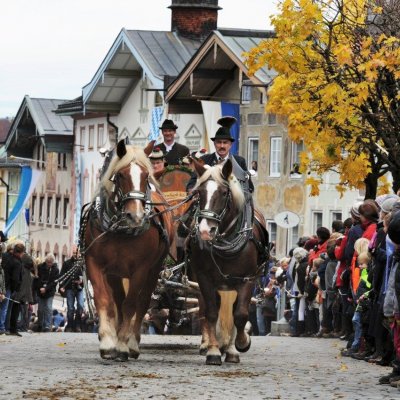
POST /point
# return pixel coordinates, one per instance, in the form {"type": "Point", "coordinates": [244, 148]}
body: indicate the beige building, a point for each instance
{"type": "Point", "coordinates": [41, 144]}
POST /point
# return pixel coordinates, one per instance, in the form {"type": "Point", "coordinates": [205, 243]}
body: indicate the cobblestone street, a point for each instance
{"type": "Point", "coordinates": [68, 366]}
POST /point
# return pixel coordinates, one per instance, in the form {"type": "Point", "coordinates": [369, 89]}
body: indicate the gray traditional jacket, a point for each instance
{"type": "Point", "coordinates": [391, 306]}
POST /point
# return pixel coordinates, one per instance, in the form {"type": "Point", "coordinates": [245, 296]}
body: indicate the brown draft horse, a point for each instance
{"type": "Point", "coordinates": [226, 250]}
{"type": "Point", "coordinates": [124, 258]}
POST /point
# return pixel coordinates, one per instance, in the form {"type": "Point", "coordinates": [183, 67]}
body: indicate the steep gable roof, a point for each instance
{"type": "Point", "coordinates": [214, 63]}
{"type": "Point", "coordinates": [133, 55]}
{"type": "Point", "coordinates": [36, 120]}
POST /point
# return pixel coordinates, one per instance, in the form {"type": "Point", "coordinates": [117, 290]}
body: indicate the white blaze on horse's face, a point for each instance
{"type": "Point", "coordinates": [135, 208]}
{"type": "Point", "coordinates": [207, 226]}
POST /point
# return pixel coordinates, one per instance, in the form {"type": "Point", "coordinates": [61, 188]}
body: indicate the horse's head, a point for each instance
{"type": "Point", "coordinates": [127, 182]}
{"type": "Point", "coordinates": [219, 196]}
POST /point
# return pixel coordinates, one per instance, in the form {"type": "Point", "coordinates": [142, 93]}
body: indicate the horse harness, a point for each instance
{"type": "Point", "coordinates": [226, 245]}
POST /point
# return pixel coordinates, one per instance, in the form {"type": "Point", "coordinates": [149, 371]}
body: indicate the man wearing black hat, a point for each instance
{"type": "Point", "coordinates": [223, 142]}
{"type": "Point", "coordinates": [174, 152]}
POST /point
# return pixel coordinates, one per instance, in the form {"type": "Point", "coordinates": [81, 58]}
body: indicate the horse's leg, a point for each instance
{"type": "Point", "coordinates": [128, 309]}
{"type": "Point", "coordinates": [241, 316]}
{"type": "Point", "coordinates": [142, 306]}
{"type": "Point", "coordinates": [210, 297]}
{"type": "Point", "coordinates": [105, 308]}
{"type": "Point", "coordinates": [226, 326]}
{"type": "Point", "coordinates": [203, 327]}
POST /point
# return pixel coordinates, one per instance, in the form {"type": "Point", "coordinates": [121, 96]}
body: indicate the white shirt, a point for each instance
{"type": "Point", "coordinates": [221, 160]}
{"type": "Point", "coordinates": [168, 147]}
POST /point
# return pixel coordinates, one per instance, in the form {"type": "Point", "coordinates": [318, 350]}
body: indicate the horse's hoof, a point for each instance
{"type": "Point", "coordinates": [203, 351]}
{"type": "Point", "coordinates": [108, 354]}
{"type": "Point", "coordinates": [244, 349]}
{"type": "Point", "coordinates": [232, 358]}
{"type": "Point", "coordinates": [123, 356]}
{"type": "Point", "coordinates": [213, 360]}
{"type": "Point", "coordinates": [133, 354]}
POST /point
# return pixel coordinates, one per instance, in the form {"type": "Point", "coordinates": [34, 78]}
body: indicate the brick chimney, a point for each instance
{"type": "Point", "coordinates": [194, 19]}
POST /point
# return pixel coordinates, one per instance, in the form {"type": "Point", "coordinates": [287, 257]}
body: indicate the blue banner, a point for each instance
{"type": "Point", "coordinates": [25, 190]}
{"type": "Point", "coordinates": [233, 110]}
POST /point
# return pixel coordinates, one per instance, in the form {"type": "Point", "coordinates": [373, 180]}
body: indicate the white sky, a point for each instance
{"type": "Point", "coordinates": [52, 48]}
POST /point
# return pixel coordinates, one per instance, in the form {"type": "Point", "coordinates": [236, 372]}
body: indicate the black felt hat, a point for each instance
{"type": "Point", "coordinates": [168, 124]}
{"type": "Point", "coordinates": [224, 133]}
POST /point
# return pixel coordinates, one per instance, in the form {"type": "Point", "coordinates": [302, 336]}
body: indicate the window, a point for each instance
{"type": "Point", "coordinates": [41, 203]}
{"type": "Point", "coordinates": [271, 119]}
{"type": "Point", "coordinates": [297, 148]}
{"type": "Point", "coordinates": [158, 100]}
{"type": "Point", "coordinates": [144, 96]}
{"type": "Point", "coordinates": [293, 237]}
{"type": "Point", "coordinates": [38, 156]}
{"type": "Point", "coordinates": [57, 216]}
{"type": "Point", "coordinates": [82, 138]}
{"type": "Point", "coordinates": [48, 214]}
{"type": "Point", "coordinates": [246, 92]}
{"type": "Point", "coordinates": [275, 157]}
{"type": "Point", "coordinates": [33, 209]}
{"type": "Point", "coordinates": [100, 136]}
{"type": "Point", "coordinates": [66, 211]}
{"type": "Point", "coordinates": [13, 182]}
{"type": "Point", "coordinates": [254, 119]}
{"type": "Point", "coordinates": [62, 161]}
{"type": "Point", "coordinates": [272, 228]}
{"type": "Point", "coordinates": [252, 151]}
{"type": "Point", "coordinates": [263, 98]}
{"type": "Point", "coordinates": [316, 220]}
{"type": "Point", "coordinates": [43, 158]}
{"type": "Point", "coordinates": [91, 137]}
{"type": "Point", "coordinates": [336, 216]}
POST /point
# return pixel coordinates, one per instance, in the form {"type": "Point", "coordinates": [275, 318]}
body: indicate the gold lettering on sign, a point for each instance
{"type": "Point", "coordinates": [174, 195]}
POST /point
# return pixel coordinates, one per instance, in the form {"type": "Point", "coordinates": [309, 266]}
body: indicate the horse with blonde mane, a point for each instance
{"type": "Point", "coordinates": [125, 237]}
{"type": "Point", "coordinates": [227, 250]}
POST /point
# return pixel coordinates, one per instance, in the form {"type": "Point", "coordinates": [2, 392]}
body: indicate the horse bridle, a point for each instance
{"type": "Point", "coordinates": [122, 198]}
{"type": "Point", "coordinates": [212, 215]}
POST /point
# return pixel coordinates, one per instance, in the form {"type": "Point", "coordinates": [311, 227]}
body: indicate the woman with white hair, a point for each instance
{"type": "Point", "coordinates": [48, 273]}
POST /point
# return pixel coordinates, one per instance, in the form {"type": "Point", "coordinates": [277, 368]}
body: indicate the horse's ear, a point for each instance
{"type": "Point", "coordinates": [227, 169]}
{"type": "Point", "coordinates": [149, 148]}
{"type": "Point", "coordinates": [198, 167]}
{"type": "Point", "coordinates": [121, 148]}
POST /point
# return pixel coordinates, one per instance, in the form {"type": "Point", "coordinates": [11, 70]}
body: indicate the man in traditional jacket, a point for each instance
{"type": "Point", "coordinates": [174, 152]}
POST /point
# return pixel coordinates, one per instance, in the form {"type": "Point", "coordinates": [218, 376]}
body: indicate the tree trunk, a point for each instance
{"type": "Point", "coordinates": [396, 180]}
{"type": "Point", "coordinates": [371, 186]}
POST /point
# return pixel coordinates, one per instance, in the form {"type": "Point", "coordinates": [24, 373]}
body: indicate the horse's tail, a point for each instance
{"type": "Point", "coordinates": [225, 324]}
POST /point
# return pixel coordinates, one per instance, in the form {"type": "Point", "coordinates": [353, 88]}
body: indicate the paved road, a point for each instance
{"type": "Point", "coordinates": [67, 366]}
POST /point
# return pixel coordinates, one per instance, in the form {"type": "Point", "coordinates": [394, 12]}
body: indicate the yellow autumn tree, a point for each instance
{"type": "Point", "coordinates": [337, 65]}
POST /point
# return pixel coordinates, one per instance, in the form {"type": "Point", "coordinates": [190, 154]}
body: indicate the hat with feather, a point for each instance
{"type": "Point", "coordinates": [224, 133]}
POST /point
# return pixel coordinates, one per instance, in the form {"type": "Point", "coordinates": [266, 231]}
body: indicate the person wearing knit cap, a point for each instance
{"type": "Point", "coordinates": [157, 159]}
{"type": "Point", "coordinates": [173, 151]}
{"type": "Point", "coordinates": [388, 203]}
{"type": "Point", "coordinates": [354, 211]}
{"type": "Point", "coordinates": [223, 142]}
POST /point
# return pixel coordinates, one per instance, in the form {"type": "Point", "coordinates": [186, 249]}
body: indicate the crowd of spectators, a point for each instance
{"type": "Point", "coordinates": [343, 283]}
{"type": "Point", "coordinates": [27, 291]}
